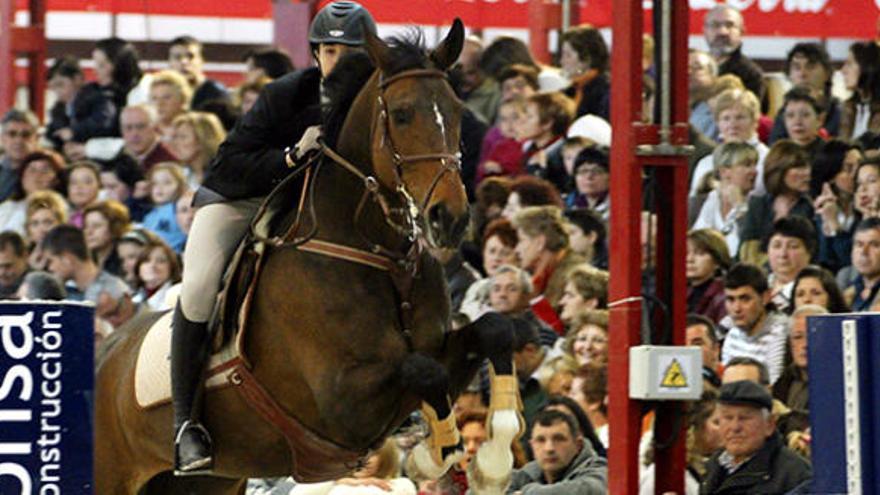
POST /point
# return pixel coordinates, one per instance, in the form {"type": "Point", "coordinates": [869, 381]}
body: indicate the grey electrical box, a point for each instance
{"type": "Point", "coordinates": [665, 372]}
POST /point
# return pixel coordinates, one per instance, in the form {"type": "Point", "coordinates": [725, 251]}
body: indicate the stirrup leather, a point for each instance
{"type": "Point", "coordinates": [203, 466]}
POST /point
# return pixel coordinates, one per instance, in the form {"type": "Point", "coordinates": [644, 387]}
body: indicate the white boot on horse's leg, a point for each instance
{"type": "Point", "coordinates": [490, 469]}
{"type": "Point", "coordinates": [428, 455]}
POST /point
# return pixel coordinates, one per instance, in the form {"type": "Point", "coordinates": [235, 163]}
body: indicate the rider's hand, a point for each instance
{"type": "Point", "coordinates": [308, 142]}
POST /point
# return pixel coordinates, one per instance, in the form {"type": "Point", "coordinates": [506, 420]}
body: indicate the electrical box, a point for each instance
{"type": "Point", "coordinates": [665, 372]}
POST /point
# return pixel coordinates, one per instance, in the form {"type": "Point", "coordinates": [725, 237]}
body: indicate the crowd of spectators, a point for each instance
{"type": "Point", "coordinates": [95, 204]}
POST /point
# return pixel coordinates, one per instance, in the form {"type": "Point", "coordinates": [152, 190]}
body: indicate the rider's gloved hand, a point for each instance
{"type": "Point", "coordinates": [307, 144]}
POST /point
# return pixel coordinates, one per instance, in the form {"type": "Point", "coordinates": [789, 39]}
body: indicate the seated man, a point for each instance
{"type": "Point", "coordinates": [69, 259]}
{"type": "Point", "coordinates": [563, 463]}
{"type": "Point", "coordinates": [13, 263]}
{"type": "Point", "coordinates": [700, 331]}
{"type": "Point", "coordinates": [754, 459]}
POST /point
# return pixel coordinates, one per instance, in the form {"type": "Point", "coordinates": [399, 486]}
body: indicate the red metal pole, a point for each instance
{"type": "Point", "coordinates": [7, 58]}
{"type": "Point", "coordinates": [625, 281]}
{"type": "Point", "coordinates": [671, 461]}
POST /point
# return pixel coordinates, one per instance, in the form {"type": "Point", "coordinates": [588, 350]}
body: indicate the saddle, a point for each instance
{"type": "Point", "coordinates": [276, 221]}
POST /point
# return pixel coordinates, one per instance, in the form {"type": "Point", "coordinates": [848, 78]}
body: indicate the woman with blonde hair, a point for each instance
{"type": "Point", "coordinates": [196, 137]}
{"type": "Point", "coordinates": [43, 211]}
{"type": "Point", "coordinates": [170, 95]}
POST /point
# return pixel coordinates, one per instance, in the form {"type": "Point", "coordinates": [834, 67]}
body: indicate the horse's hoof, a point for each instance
{"type": "Point", "coordinates": [427, 463]}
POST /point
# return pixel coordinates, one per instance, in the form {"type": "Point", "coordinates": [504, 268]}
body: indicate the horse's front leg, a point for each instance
{"type": "Point", "coordinates": [491, 336]}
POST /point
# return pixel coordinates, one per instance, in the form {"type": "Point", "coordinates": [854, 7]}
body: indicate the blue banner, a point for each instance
{"type": "Point", "coordinates": [46, 384]}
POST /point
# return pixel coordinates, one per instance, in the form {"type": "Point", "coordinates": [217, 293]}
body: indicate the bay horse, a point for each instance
{"type": "Point", "coordinates": [340, 351]}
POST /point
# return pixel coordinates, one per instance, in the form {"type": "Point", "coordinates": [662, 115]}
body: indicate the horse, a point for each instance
{"type": "Point", "coordinates": [348, 328]}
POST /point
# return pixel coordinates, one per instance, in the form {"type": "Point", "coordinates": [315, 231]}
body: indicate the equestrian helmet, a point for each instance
{"type": "Point", "coordinates": [342, 23]}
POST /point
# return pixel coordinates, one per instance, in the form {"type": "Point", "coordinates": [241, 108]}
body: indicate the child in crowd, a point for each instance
{"type": "Point", "coordinates": [505, 156]}
{"type": "Point", "coordinates": [167, 185]}
{"type": "Point", "coordinates": [83, 186]}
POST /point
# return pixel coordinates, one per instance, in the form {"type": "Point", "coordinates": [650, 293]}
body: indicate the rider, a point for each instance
{"type": "Point", "coordinates": [249, 164]}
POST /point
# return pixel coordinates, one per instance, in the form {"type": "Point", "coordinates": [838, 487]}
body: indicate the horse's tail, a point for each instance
{"type": "Point", "coordinates": [141, 321]}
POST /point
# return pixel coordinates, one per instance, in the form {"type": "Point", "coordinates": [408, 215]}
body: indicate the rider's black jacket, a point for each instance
{"type": "Point", "coordinates": [250, 163]}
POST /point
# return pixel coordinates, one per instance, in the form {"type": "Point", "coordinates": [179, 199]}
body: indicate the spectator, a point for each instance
{"type": "Point", "coordinates": [18, 138]}
{"type": "Point", "coordinates": [586, 289]}
{"type": "Point", "coordinates": [481, 92]}
{"type": "Point", "coordinates": [809, 65]}
{"type": "Point", "coordinates": [90, 109]}
{"type": "Point", "coordinates": [724, 208]}
{"type": "Point", "coordinates": [584, 58]}
{"type": "Point", "coordinates": [185, 57]}
{"type": "Point", "coordinates": [790, 247]}
{"type": "Point", "coordinates": [505, 155]}
{"type": "Point", "coordinates": [184, 211]}
{"type": "Point", "coordinates": [723, 28]}
{"type": "Point", "coordinates": [41, 286]}
{"type": "Point", "coordinates": [170, 95]}
{"type": "Point", "coordinates": [736, 113]}
{"type": "Point", "coordinates": [122, 180]}
{"type": "Point", "coordinates": [756, 331]}
{"type": "Point", "coordinates": [701, 332]}
{"type": "Point", "coordinates": [140, 125]}
{"type": "Point", "coordinates": [104, 223]}
{"type": "Point", "coordinates": [834, 169]}
{"type": "Point", "coordinates": [867, 199]}
{"type": "Point", "coordinates": [269, 63]}
{"type": "Point", "coordinates": [565, 404]}
{"type": "Point", "coordinates": [702, 72]}
{"type": "Point", "coordinates": [587, 341]}
{"type": "Point", "coordinates": [803, 117]}
{"type": "Point", "coordinates": [791, 388]}
{"type": "Point", "coordinates": [129, 249]}
{"type": "Point", "coordinates": [69, 260]}
{"type": "Point", "coordinates": [861, 76]}
{"type": "Point", "coordinates": [529, 356]}
{"type": "Point", "coordinates": [815, 286]}
{"type": "Point", "coordinates": [196, 139]}
{"type": "Point", "coordinates": [518, 81]}
{"type": "Point", "coordinates": [83, 186]}
{"type": "Point", "coordinates": [753, 450]}
{"type": "Point", "coordinates": [787, 175]}
{"type": "Point", "coordinates": [543, 124]}
{"type": "Point", "coordinates": [39, 171]}
{"type": "Point", "coordinates": [543, 250]}
{"type": "Point", "coordinates": [589, 390]}
{"type": "Point", "coordinates": [44, 210]}
{"type": "Point", "coordinates": [591, 178]}
{"type": "Point", "coordinates": [499, 241]}
{"type": "Point", "coordinates": [526, 191]}
{"type": "Point", "coordinates": [564, 463]}
{"type": "Point", "coordinates": [167, 185]}
{"type": "Point", "coordinates": [861, 294]}
{"type": "Point", "coordinates": [706, 262]}
{"type": "Point", "coordinates": [157, 269]}
{"type": "Point", "coordinates": [65, 80]}
{"type": "Point", "coordinates": [117, 71]}
{"type": "Point", "coordinates": [246, 95]}
{"type": "Point", "coordinates": [13, 263]}
{"type": "Point", "coordinates": [587, 236]}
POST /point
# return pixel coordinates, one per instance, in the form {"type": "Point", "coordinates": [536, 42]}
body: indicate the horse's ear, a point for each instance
{"type": "Point", "coordinates": [377, 49]}
{"type": "Point", "coordinates": [448, 50]}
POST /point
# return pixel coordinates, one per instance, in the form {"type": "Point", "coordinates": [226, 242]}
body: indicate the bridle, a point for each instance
{"type": "Point", "coordinates": [410, 213]}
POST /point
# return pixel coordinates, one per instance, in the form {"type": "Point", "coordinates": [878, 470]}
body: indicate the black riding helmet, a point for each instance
{"type": "Point", "coordinates": [341, 22]}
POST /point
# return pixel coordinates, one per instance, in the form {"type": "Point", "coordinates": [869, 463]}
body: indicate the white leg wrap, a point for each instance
{"type": "Point", "coordinates": [490, 469]}
{"type": "Point", "coordinates": [424, 462]}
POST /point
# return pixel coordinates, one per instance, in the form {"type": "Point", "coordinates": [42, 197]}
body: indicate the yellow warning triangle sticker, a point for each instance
{"type": "Point", "coordinates": [673, 377]}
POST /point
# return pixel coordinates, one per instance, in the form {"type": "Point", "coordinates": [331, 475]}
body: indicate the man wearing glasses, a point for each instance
{"type": "Point", "coordinates": [18, 138]}
{"type": "Point", "coordinates": [723, 27]}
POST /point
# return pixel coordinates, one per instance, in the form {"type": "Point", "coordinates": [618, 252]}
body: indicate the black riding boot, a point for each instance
{"type": "Point", "coordinates": [189, 351]}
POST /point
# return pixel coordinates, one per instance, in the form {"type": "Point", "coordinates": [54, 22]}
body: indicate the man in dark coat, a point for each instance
{"type": "Point", "coordinates": [754, 458]}
{"type": "Point", "coordinates": [723, 27]}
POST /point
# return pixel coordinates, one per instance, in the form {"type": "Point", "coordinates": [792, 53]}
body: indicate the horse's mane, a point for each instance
{"type": "Point", "coordinates": [353, 70]}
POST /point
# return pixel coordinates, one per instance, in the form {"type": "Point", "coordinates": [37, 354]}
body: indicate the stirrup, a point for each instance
{"type": "Point", "coordinates": [203, 464]}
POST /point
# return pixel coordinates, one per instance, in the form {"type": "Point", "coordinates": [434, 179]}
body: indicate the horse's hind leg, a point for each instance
{"type": "Point", "coordinates": [427, 379]}
{"type": "Point", "coordinates": [490, 337]}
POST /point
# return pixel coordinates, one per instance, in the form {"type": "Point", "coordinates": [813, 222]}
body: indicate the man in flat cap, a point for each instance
{"type": "Point", "coordinates": [754, 458]}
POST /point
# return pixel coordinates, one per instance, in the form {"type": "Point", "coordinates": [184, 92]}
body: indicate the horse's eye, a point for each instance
{"type": "Point", "coordinates": [402, 116]}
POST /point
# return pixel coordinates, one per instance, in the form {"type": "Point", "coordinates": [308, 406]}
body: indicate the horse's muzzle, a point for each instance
{"type": "Point", "coordinates": [445, 230]}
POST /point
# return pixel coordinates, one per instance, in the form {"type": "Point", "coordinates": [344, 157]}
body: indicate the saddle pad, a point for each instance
{"type": "Point", "coordinates": [152, 375]}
